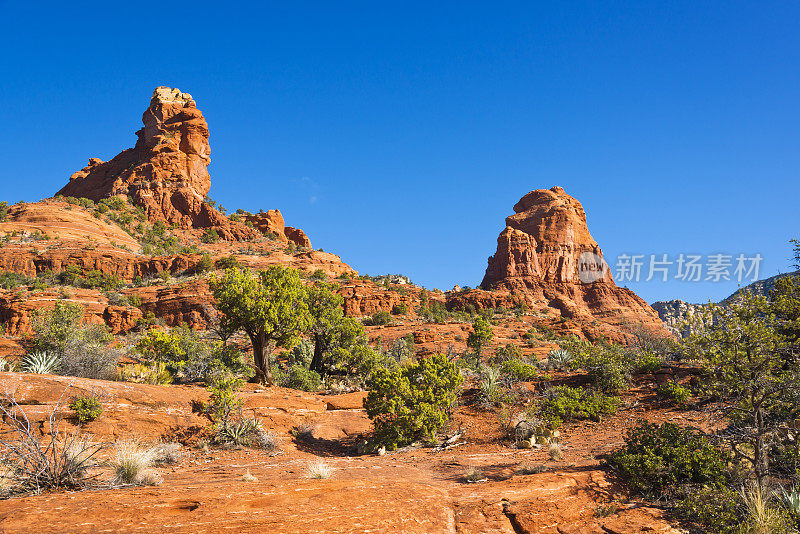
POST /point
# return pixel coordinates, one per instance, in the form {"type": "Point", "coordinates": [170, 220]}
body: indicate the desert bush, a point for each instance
{"type": "Point", "coordinates": [609, 368]}
{"type": "Point", "coordinates": [189, 357]}
{"type": "Point", "coordinates": [205, 264]}
{"type": "Point", "coordinates": [166, 453]}
{"type": "Point", "coordinates": [473, 474]}
{"type": "Point", "coordinates": [12, 280]}
{"type": "Point", "coordinates": [302, 378]}
{"type": "Point", "coordinates": [42, 363]}
{"type": "Point", "coordinates": [555, 452]}
{"type": "Point", "coordinates": [3, 211]}
{"type": "Point", "coordinates": [714, 507]}
{"type": "Point", "coordinates": [481, 335]}
{"type": "Point", "coordinates": [380, 318]}
{"type": "Point", "coordinates": [413, 400]}
{"type": "Point", "coordinates": [401, 349]}
{"type": "Point", "coordinates": [489, 389]}
{"type": "Point", "coordinates": [359, 362]}
{"type": "Point", "coordinates": [88, 355]}
{"type": "Point", "coordinates": [209, 236]}
{"type": "Point", "coordinates": [508, 352]}
{"type": "Point", "coordinates": [673, 392]}
{"type": "Point", "coordinates": [227, 262]}
{"type": "Point", "coordinates": [73, 275]}
{"type": "Point", "coordinates": [146, 373]}
{"type": "Point", "coordinates": [400, 309]}
{"type": "Point", "coordinates": [52, 461]}
{"type": "Point", "coordinates": [657, 458]}
{"type": "Point", "coordinates": [563, 403]}
{"type": "Point", "coordinates": [55, 327]}
{"type": "Point", "coordinates": [301, 353]}
{"type": "Point", "coordinates": [517, 369]}
{"type": "Point", "coordinates": [645, 362]}
{"type": "Point", "coordinates": [762, 515]}
{"type": "Point", "coordinates": [531, 469]}
{"type": "Point", "coordinates": [225, 409]}
{"type": "Point", "coordinates": [87, 408]}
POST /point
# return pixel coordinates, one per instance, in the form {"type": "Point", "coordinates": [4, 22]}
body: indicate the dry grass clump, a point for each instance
{"type": "Point", "coordinates": [532, 469]}
{"type": "Point", "coordinates": [555, 452]}
{"type": "Point", "coordinates": [305, 432]}
{"type": "Point", "coordinates": [762, 516]}
{"type": "Point", "coordinates": [248, 477]}
{"type": "Point", "coordinates": [166, 453]}
{"type": "Point", "coordinates": [474, 474]}
{"type": "Point", "coordinates": [319, 470]}
{"type": "Point", "coordinates": [131, 460]}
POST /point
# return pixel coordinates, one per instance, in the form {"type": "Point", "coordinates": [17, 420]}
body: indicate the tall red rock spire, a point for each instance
{"type": "Point", "coordinates": [547, 253]}
{"type": "Point", "coordinates": [165, 172]}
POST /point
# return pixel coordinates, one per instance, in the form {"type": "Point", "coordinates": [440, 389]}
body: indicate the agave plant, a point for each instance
{"type": "Point", "coordinates": [559, 358]}
{"type": "Point", "coordinates": [40, 363]}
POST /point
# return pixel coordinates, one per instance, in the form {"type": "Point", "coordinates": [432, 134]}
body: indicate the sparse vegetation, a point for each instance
{"type": "Point", "coordinates": [87, 408]}
{"type": "Point", "coordinates": [34, 462]}
{"type": "Point", "coordinates": [319, 470]}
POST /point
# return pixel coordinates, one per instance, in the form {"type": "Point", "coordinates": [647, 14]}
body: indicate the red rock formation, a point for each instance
{"type": "Point", "coordinates": [271, 222]}
{"type": "Point", "coordinates": [165, 172]}
{"type": "Point", "coordinates": [539, 255]}
{"type": "Point", "coordinates": [296, 235]}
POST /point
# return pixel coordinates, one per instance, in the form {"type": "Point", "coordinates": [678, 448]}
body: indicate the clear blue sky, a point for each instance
{"type": "Point", "coordinates": [400, 134]}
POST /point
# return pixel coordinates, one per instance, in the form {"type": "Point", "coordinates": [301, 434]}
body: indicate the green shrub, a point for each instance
{"type": "Point", "coordinates": [73, 275]}
{"type": "Point", "coordinates": [517, 369]}
{"type": "Point", "coordinates": [228, 262]}
{"type": "Point", "coordinates": [657, 458]}
{"type": "Point", "coordinates": [646, 362]}
{"type": "Point", "coordinates": [302, 378]}
{"type": "Point", "coordinates": [714, 507]}
{"type": "Point", "coordinates": [400, 309]}
{"type": "Point", "coordinates": [412, 401]}
{"type": "Point", "coordinates": [205, 264]}
{"type": "Point", "coordinates": [209, 236]}
{"type": "Point", "coordinates": [3, 211]}
{"type": "Point", "coordinates": [564, 403]}
{"type": "Point", "coordinates": [381, 318]}
{"type": "Point", "coordinates": [189, 357]}
{"type": "Point", "coordinates": [319, 274]}
{"type": "Point", "coordinates": [12, 280]}
{"type": "Point", "coordinates": [509, 352]}
{"type": "Point", "coordinates": [674, 392]}
{"type": "Point", "coordinates": [86, 408]}
{"type": "Point", "coordinates": [135, 301]}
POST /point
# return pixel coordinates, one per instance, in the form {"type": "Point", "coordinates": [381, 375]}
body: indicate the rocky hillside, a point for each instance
{"type": "Point", "coordinates": [674, 312]}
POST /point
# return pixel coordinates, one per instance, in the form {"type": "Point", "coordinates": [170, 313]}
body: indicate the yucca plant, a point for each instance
{"type": "Point", "coordinates": [40, 363]}
{"type": "Point", "coordinates": [559, 358]}
{"type": "Point", "coordinates": [791, 500]}
{"type": "Point", "coordinates": [490, 384]}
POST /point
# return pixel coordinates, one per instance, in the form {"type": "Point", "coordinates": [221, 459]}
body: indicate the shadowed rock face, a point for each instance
{"type": "Point", "coordinates": [165, 172]}
{"type": "Point", "coordinates": [539, 254]}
